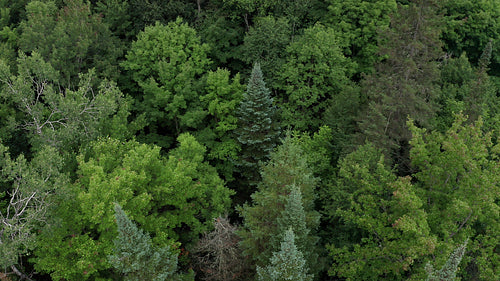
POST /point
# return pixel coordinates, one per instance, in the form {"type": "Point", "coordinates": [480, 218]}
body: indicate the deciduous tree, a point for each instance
{"type": "Point", "coordinates": [166, 62]}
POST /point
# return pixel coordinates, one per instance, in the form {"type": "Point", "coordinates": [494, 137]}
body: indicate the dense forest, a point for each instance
{"type": "Point", "coordinates": [250, 140]}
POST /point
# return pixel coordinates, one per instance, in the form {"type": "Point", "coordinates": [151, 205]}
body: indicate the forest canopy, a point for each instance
{"type": "Point", "coordinates": [249, 140]}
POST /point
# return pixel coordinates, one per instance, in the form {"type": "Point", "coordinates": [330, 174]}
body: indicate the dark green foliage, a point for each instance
{"type": "Point", "coordinates": [469, 26]}
{"type": "Point", "coordinates": [265, 43]}
{"type": "Point", "coordinates": [315, 78]}
{"type": "Point", "coordinates": [449, 270]}
{"type": "Point", "coordinates": [79, 121]}
{"type": "Point", "coordinates": [71, 39]}
{"type": "Point", "coordinates": [134, 256]}
{"type": "Point", "coordinates": [469, 90]}
{"type": "Point", "coordinates": [258, 128]}
{"type": "Point", "coordinates": [225, 38]}
{"type": "Point", "coordinates": [404, 83]}
{"type": "Point", "coordinates": [358, 24]}
{"type": "Point", "coordinates": [262, 229]}
{"type": "Point", "coordinates": [287, 264]}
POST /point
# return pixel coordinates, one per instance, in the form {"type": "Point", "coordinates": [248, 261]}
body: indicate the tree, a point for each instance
{"type": "Point", "coordinates": [469, 90]}
{"type": "Point", "coordinates": [287, 169]}
{"type": "Point", "coordinates": [29, 186]}
{"type": "Point", "coordinates": [71, 39]}
{"type": "Point", "coordinates": [257, 130]}
{"type": "Point", "coordinates": [221, 100]}
{"type": "Point", "coordinates": [458, 173]}
{"type": "Point", "coordinates": [66, 119]}
{"type": "Point", "coordinates": [469, 26]}
{"type": "Point", "coordinates": [166, 62]}
{"type": "Point", "coordinates": [134, 256]}
{"type": "Point", "coordinates": [266, 43]}
{"type": "Point", "coordinates": [294, 216]}
{"type": "Point", "coordinates": [448, 271]}
{"type": "Point", "coordinates": [173, 198]}
{"type": "Point", "coordinates": [358, 24]}
{"type": "Point", "coordinates": [315, 78]}
{"type": "Point", "coordinates": [287, 264]}
{"type": "Point", "coordinates": [404, 83]}
{"type": "Point", "coordinates": [380, 228]}
{"type": "Point", "coordinates": [218, 254]}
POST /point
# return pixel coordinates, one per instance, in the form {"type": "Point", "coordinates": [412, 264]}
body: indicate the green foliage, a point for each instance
{"type": "Point", "coordinates": [287, 264]}
{"type": "Point", "coordinates": [382, 229]}
{"type": "Point", "coordinates": [358, 24]}
{"type": "Point", "coordinates": [171, 198]}
{"type": "Point", "coordinates": [458, 175]}
{"type": "Point", "coordinates": [404, 84]}
{"type": "Point", "coordinates": [469, 90]}
{"type": "Point", "coordinates": [258, 129]}
{"type": "Point", "coordinates": [8, 36]}
{"type": "Point", "coordinates": [294, 216]}
{"type": "Point", "coordinates": [146, 13]}
{"type": "Point", "coordinates": [29, 187]}
{"type": "Point", "coordinates": [72, 39]}
{"type": "Point", "coordinates": [469, 26]}
{"type": "Point", "coordinates": [167, 61]}
{"type": "Point", "coordinates": [287, 169]}
{"type": "Point", "coordinates": [448, 271]}
{"type": "Point", "coordinates": [266, 43]}
{"type": "Point", "coordinates": [222, 98]}
{"type": "Point", "coordinates": [225, 37]}
{"type": "Point", "coordinates": [62, 120]}
{"type": "Point", "coordinates": [314, 78]}
{"type": "Point", "coordinates": [134, 256]}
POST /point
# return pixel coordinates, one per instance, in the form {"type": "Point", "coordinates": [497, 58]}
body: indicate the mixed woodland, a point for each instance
{"type": "Point", "coordinates": [249, 140]}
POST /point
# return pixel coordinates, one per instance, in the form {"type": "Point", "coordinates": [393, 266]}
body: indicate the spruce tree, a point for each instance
{"type": "Point", "coordinates": [257, 130]}
{"type": "Point", "coordinates": [449, 270]}
{"type": "Point", "coordinates": [404, 83]}
{"type": "Point", "coordinates": [294, 216]}
{"type": "Point", "coordinates": [287, 169]}
{"type": "Point", "coordinates": [287, 264]}
{"type": "Point", "coordinates": [134, 256]}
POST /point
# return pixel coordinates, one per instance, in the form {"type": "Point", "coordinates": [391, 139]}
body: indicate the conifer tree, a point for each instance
{"type": "Point", "coordinates": [134, 256]}
{"type": "Point", "coordinates": [257, 131]}
{"type": "Point", "coordinates": [294, 216]}
{"type": "Point", "coordinates": [287, 169]}
{"type": "Point", "coordinates": [287, 264]}
{"type": "Point", "coordinates": [403, 84]}
{"type": "Point", "coordinates": [449, 270]}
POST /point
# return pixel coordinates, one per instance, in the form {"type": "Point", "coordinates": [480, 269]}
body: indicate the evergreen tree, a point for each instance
{"type": "Point", "coordinates": [257, 131]}
{"type": "Point", "coordinates": [287, 264]}
{"type": "Point", "coordinates": [294, 216]}
{"type": "Point", "coordinates": [134, 256]}
{"type": "Point", "coordinates": [449, 271]}
{"type": "Point", "coordinates": [404, 83]}
{"type": "Point", "coordinates": [287, 168]}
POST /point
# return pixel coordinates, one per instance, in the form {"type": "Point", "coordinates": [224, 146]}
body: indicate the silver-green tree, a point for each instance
{"type": "Point", "coordinates": [287, 264]}
{"type": "Point", "coordinates": [134, 256]}
{"type": "Point", "coordinates": [449, 270]}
